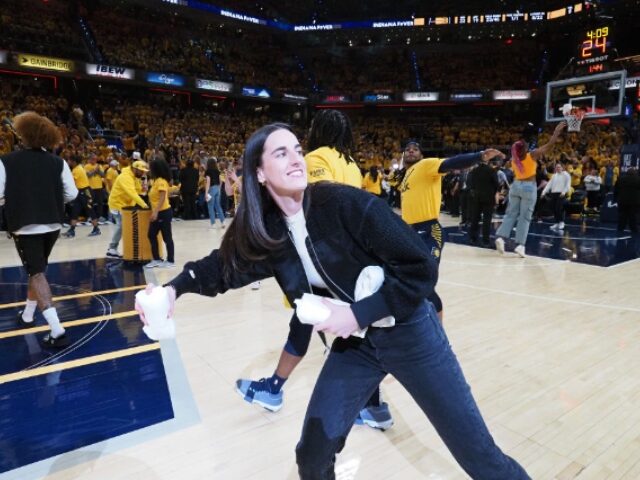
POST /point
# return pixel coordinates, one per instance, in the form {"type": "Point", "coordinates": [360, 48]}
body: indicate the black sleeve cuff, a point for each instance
{"type": "Point", "coordinates": [370, 309]}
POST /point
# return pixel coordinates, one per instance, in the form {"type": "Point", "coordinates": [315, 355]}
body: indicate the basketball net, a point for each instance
{"type": "Point", "coordinates": [574, 119]}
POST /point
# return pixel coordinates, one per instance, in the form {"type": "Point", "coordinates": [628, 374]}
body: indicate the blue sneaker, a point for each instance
{"type": "Point", "coordinates": [376, 417]}
{"type": "Point", "coordinates": [257, 391]}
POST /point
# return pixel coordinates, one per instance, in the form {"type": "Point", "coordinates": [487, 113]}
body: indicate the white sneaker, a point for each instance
{"type": "Point", "coordinates": [113, 253]}
{"type": "Point", "coordinates": [561, 226]}
{"type": "Point", "coordinates": [520, 251]}
{"type": "Point", "coordinates": [255, 285]}
{"type": "Point", "coordinates": [500, 245]}
{"type": "Point", "coordinates": [167, 265]}
{"type": "Point", "coordinates": [554, 226]}
{"type": "Point", "coordinates": [154, 264]}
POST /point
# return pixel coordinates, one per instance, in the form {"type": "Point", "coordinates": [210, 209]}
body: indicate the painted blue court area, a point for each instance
{"type": "Point", "coordinates": [581, 242]}
{"type": "Point", "coordinates": [108, 382]}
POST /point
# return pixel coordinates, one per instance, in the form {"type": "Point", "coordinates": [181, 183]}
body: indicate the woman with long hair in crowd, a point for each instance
{"type": "Point", "coordinates": [161, 214]}
{"type": "Point", "coordinates": [523, 191]}
{"type": "Point", "coordinates": [281, 224]}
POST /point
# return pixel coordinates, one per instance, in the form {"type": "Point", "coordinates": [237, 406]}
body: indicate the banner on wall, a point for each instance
{"type": "Point", "coordinates": [420, 96]}
{"type": "Point", "coordinates": [512, 95]}
{"type": "Point", "coordinates": [45, 63]}
{"type": "Point", "coordinates": [110, 71]}
{"type": "Point", "coordinates": [214, 85]}
{"type": "Point", "coordinates": [166, 79]}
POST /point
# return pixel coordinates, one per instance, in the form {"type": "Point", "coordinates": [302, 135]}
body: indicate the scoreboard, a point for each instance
{"type": "Point", "coordinates": [594, 50]}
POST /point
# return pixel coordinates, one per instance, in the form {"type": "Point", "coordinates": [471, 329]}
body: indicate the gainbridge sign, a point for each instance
{"type": "Point", "coordinates": [45, 63]}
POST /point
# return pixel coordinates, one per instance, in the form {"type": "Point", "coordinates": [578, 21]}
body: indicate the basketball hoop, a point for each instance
{"type": "Point", "coordinates": [574, 119]}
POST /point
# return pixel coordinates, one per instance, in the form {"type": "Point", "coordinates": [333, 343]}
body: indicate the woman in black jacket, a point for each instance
{"type": "Point", "coordinates": [318, 239]}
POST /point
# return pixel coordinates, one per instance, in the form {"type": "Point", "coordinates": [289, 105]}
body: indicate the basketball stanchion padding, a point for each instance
{"type": "Point", "coordinates": [135, 242]}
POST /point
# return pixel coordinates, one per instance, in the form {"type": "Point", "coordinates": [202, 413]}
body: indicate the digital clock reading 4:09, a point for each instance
{"type": "Point", "coordinates": [595, 43]}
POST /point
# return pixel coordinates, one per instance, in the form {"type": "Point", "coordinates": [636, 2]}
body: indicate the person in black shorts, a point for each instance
{"type": "Point", "coordinates": [83, 203]}
{"type": "Point", "coordinates": [34, 186]}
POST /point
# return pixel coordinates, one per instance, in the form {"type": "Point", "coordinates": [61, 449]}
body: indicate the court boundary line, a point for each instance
{"type": "Point", "coordinates": [69, 323]}
{"type": "Point", "coordinates": [88, 293]}
{"type": "Point", "coordinates": [542, 297]}
{"type": "Point", "coordinates": [80, 362]}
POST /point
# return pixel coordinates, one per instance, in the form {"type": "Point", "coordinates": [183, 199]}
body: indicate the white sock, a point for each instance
{"type": "Point", "coordinates": [51, 316]}
{"type": "Point", "coordinates": [29, 310]}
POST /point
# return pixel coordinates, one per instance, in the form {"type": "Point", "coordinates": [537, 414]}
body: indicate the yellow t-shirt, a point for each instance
{"type": "Point", "coordinates": [327, 163]}
{"type": "Point", "coordinates": [80, 177]}
{"type": "Point", "coordinates": [529, 168]}
{"type": "Point", "coordinates": [95, 181]}
{"type": "Point", "coordinates": [372, 187]}
{"type": "Point", "coordinates": [110, 177]}
{"type": "Point", "coordinates": [159, 185]}
{"type": "Point", "coordinates": [421, 191]}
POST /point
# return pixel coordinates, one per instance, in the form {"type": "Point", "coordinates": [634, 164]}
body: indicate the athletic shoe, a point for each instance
{"type": "Point", "coordinates": [21, 321]}
{"type": "Point", "coordinates": [561, 226]}
{"type": "Point", "coordinates": [520, 251]}
{"type": "Point", "coordinates": [256, 285]}
{"type": "Point", "coordinates": [554, 226]}
{"type": "Point", "coordinates": [95, 232]}
{"type": "Point", "coordinates": [113, 253]}
{"type": "Point", "coordinates": [500, 245]}
{"type": "Point", "coordinates": [69, 234]}
{"type": "Point", "coordinates": [66, 225]}
{"type": "Point", "coordinates": [154, 264]}
{"type": "Point", "coordinates": [376, 417]}
{"type": "Point", "coordinates": [258, 392]}
{"type": "Point", "coordinates": [57, 342]}
{"type": "Point", "coordinates": [167, 265]}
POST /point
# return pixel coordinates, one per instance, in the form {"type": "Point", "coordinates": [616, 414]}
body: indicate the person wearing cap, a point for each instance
{"type": "Point", "coordinates": [421, 195]}
{"type": "Point", "coordinates": [125, 193]}
{"type": "Point", "coordinates": [111, 174]}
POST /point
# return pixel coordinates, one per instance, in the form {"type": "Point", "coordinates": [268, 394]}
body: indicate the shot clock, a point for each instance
{"type": "Point", "coordinates": [594, 50]}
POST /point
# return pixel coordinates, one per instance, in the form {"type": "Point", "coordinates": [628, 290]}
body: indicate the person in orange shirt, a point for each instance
{"type": "Point", "coordinates": [523, 192]}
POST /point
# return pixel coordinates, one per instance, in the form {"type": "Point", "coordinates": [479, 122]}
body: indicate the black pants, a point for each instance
{"type": "Point", "coordinates": [465, 206]}
{"type": "Point", "coordinates": [484, 208]}
{"type": "Point", "coordinates": [593, 199]}
{"type": "Point", "coordinates": [628, 215]}
{"type": "Point", "coordinates": [188, 206]}
{"type": "Point", "coordinates": [97, 197]}
{"type": "Point", "coordinates": [557, 203]}
{"type": "Point", "coordinates": [83, 205]}
{"type": "Point", "coordinates": [431, 234]}
{"type": "Point", "coordinates": [162, 224]}
{"type": "Point", "coordinates": [34, 250]}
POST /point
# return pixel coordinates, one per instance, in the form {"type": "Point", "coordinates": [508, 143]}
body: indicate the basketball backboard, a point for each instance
{"type": "Point", "coordinates": [600, 95]}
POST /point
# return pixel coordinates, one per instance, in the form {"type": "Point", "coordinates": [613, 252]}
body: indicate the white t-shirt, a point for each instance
{"type": "Point", "coordinates": [297, 225]}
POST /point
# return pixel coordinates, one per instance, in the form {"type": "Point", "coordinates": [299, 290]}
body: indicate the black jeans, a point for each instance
{"type": "Point", "coordinates": [628, 215]}
{"type": "Point", "coordinates": [465, 206]}
{"type": "Point", "coordinates": [484, 208]}
{"type": "Point", "coordinates": [162, 224]}
{"type": "Point", "coordinates": [417, 353]}
{"type": "Point", "coordinates": [189, 206]}
{"type": "Point", "coordinates": [557, 203]}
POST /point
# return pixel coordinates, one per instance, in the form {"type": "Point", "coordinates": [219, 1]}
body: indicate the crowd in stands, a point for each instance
{"type": "Point", "coordinates": [46, 28]}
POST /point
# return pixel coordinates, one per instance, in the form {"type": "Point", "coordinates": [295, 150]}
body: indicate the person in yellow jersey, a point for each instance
{"type": "Point", "coordinates": [330, 159]}
{"type": "Point", "coordinates": [125, 193]}
{"type": "Point", "coordinates": [523, 192]}
{"type": "Point", "coordinates": [111, 174]}
{"type": "Point", "coordinates": [161, 214]}
{"type": "Point", "coordinates": [421, 195]}
{"type": "Point", "coordinates": [95, 174]}
{"type": "Point", "coordinates": [83, 204]}
{"type": "Point", "coordinates": [372, 182]}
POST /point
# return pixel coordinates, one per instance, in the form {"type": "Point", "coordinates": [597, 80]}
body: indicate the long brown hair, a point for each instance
{"type": "Point", "coordinates": [247, 239]}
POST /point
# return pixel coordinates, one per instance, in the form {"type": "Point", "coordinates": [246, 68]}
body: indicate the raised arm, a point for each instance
{"type": "Point", "coordinates": [544, 149]}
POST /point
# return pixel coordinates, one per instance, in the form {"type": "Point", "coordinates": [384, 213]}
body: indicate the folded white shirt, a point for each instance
{"type": "Point", "coordinates": [312, 311]}
{"type": "Point", "coordinates": [156, 310]}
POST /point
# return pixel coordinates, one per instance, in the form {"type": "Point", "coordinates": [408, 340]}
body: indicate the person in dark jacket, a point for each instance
{"type": "Point", "coordinates": [320, 238]}
{"type": "Point", "coordinates": [627, 194]}
{"type": "Point", "coordinates": [483, 184]}
{"type": "Point", "coordinates": [188, 189]}
{"type": "Point", "coordinates": [34, 186]}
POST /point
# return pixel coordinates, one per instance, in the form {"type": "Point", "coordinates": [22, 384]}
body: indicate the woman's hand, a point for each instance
{"type": "Point", "coordinates": [154, 216]}
{"type": "Point", "coordinates": [341, 322]}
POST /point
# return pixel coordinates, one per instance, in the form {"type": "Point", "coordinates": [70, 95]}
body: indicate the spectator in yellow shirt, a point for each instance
{"type": "Point", "coordinates": [161, 214]}
{"type": "Point", "coordinates": [372, 182]}
{"type": "Point", "coordinates": [95, 174]}
{"type": "Point", "coordinates": [83, 203]}
{"type": "Point", "coordinates": [125, 194]}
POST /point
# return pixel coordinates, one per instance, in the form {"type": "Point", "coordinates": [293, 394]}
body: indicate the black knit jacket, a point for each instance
{"type": "Point", "coordinates": [349, 229]}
